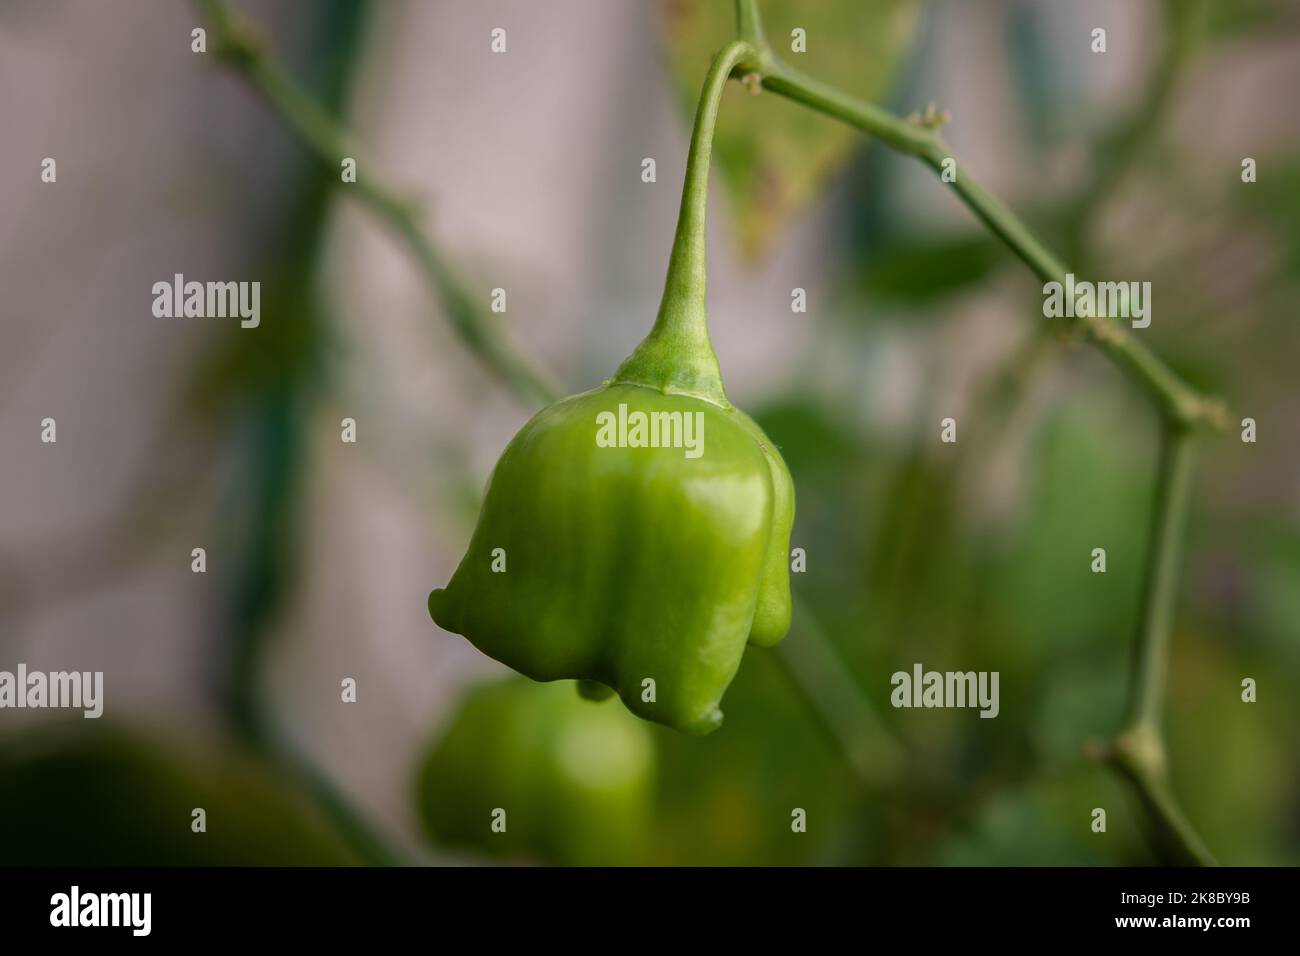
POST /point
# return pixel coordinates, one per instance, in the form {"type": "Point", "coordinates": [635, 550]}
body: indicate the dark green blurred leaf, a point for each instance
{"type": "Point", "coordinates": [809, 439]}
{"type": "Point", "coordinates": [1046, 824]}
{"type": "Point", "coordinates": [922, 272]}
{"type": "Point", "coordinates": [1083, 698]}
{"type": "Point", "coordinates": [1233, 763]}
{"type": "Point", "coordinates": [726, 799]}
{"type": "Point", "coordinates": [91, 793]}
{"type": "Point", "coordinates": [1275, 199]}
{"type": "Point", "coordinates": [1091, 491]}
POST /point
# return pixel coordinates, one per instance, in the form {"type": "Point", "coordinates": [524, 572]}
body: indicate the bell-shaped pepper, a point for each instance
{"type": "Point", "coordinates": [636, 535]}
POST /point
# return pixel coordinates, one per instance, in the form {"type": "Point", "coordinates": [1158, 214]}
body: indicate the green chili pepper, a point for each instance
{"type": "Point", "coordinates": [636, 535]}
{"type": "Point", "coordinates": [527, 770]}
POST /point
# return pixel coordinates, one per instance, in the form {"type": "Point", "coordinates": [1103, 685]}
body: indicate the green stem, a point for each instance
{"type": "Point", "coordinates": [997, 216]}
{"type": "Point", "coordinates": [1138, 755]}
{"type": "Point", "coordinates": [1173, 489]}
{"type": "Point", "coordinates": [677, 355]}
{"type": "Point", "coordinates": [793, 84]}
{"type": "Point", "coordinates": [749, 27]}
{"type": "Point", "coordinates": [685, 285]}
{"type": "Point", "coordinates": [1139, 751]}
{"type": "Point", "coordinates": [921, 139]}
{"type": "Point", "coordinates": [239, 45]}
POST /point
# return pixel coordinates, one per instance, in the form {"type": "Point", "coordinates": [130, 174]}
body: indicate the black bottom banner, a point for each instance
{"type": "Point", "coordinates": [333, 905]}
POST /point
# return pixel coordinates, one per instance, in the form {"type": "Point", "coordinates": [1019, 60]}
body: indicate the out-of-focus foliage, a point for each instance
{"type": "Point", "coordinates": [1276, 200]}
{"type": "Point", "coordinates": [773, 155]}
{"type": "Point", "coordinates": [921, 272]}
{"type": "Point", "coordinates": [729, 799]}
{"type": "Point", "coordinates": [91, 793]}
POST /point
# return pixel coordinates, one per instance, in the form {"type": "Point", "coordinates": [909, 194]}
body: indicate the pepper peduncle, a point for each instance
{"type": "Point", "coordinates": [677, 356]}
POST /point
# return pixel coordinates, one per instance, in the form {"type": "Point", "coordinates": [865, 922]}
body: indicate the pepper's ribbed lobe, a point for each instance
{"type": "Point", "coordinates": [624, 565]}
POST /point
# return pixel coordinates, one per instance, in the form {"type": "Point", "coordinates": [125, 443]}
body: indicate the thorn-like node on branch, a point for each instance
{"type": "Point", "coordinates": [1140, 751]}
{"type": "Point", "coordinates": [931, 119]}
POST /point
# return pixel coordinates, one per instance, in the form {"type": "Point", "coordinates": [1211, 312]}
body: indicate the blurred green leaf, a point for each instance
{"type": "Point", "coordinates": [1047, 823]}
{"type": "Point", "coordinates": [1232, 763]}
{"type": "Point", "coordinates": [1275, 599]}
{"type": "Point", "coordinates": [92, 794]}
{"type": "Point", "coordinates": [1275, 199]}
{"type": "Point", "coordinates": [1090, 491]}
{"type": "Point", "coordinates": [776, 156]}
{"type": "Point", "coordinates": [921, 272]}
{"type": "Point", "coordinates": [1083, 697]}
{"type": "Point", "coordinates": [810, 440]}
{"type": "Point", "coordinates": [727, 799]}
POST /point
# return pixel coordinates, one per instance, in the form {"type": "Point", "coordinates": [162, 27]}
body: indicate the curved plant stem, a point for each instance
{"type": "Point", "coordinates": [1138, 756]}
{"type": "Point", "coordinates": [1173, 488]}
{"type": "Point", "coordinates": [677, 355]}
{"type": "Point", "coordinates": [686, 280]}
{"type": "Point", "coordinates": [1139, 752]}
{"type": "Point", "coordinates": [239, 45]}
{"type": "Point", "coordinates": [920, 138]}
